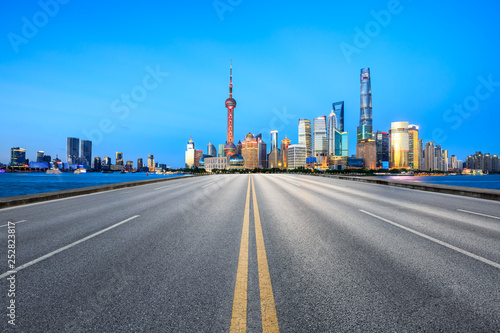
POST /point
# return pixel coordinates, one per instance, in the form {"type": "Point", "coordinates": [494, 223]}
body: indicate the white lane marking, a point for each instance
{"type": "Point", "coordinates": [48, 255]}
{"type": "Point", "coordinates": [466, 211]}
{"type": "Point", "coordinates": [1, 226]}
{"type": "Point", "coordinates": [207, 185]}
{"type": "Point", "coordinates": [437, 241]}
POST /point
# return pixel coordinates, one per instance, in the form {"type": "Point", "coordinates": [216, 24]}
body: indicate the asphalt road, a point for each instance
{"type": "Point", "coordinates": [221, 253]}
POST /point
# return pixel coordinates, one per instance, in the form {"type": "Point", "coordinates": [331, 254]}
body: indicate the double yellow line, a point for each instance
{"type": "Point", "coordinates": [267, 306]}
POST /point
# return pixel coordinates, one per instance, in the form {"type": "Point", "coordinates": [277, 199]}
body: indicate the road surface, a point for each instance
{"type": "Point", "coordinates": [262, 253]}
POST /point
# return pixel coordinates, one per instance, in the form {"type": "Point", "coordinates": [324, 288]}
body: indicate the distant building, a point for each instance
{"type": "Point", "coordinates": [320, 140]}
{"type": "Point", "coordinates": [284, 152]}
{"type": "Point", "coordinates": [96, 163]}
{"type": "Point", "coordinates": [119, 158]}
{"type": "Point", "coordinates": [220, 163]}
{"type": "Point", "coordinates": [273, 159]}
{"type": "Point", "coordinates": [129, 166]}
{"type": "Point", "coordinates": [274, 140]}
{"type": "Point", "coordinates": [296, 156]}
{"type": "Point", "coordinates": [238, 147]}
{"type": "Point", "coordinates": [438, 158]}
{"type": "Point", "coordinates": [198, 156]}
{"type": "Point", "coordinates": [47, 158]}
{"type": "Point", "coordinates": [429, 164]}
{"type": "Point", "coordinates": [413, 150]}
{"type": "Point", "coordinates": [261, 151]}
{"type": "Point", "coordinates": [190, 154]}
{"type": "Point", "coordinates": [39, 156]}
{"type": "Point", "coordinates": [367, 151]}
{"type": "Point", "coordinates": [332, 126]}
{"type": "Point", "coordinates": [86, 152]}
{"type": "Point", "coordinates": [382, 144]}
{"type": "Point", "coordinates": [221, 150]}
{"type": "Point", "coordinates": [106, 161]}
{"type": "Point", "coordinates": [249, 152]}
{"type": "Point", "coordinates": [140, 164]}
{"type": "Point", "coordinates": [399, 145]}
{"type": "Point", "coordinates": [211, 151]}
{"type": "Point", "coordinates": [305, 135]}
{"type": "Point", "coordinates": [365, 128]}
{"type": "Point", "coordinates": [72, 149]}
{"type": "Point", "coordinates": [17, 157]}
{"type": "Point", "coordinates": [421, 154]}
{"type": "Point", "coordinates": [151, 159]}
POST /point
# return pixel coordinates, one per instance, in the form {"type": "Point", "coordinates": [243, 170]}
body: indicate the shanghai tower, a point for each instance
{"type": "Point", "coordinates": [365, 127]}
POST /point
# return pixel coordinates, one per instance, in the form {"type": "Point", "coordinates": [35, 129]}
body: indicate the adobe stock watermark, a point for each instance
{"type": "Point", "coordinates": [223, 6]}
{"type": "Point", "coordinates": [30, 27]}
{"type": "Point", "coordinates": [280, 120]}
{"type": "Point", "coordinates": [122, 106]}
{"type": "Point", "coordinates": [470, 105]}
{"type": "Point", "coordinates": [372, 29]}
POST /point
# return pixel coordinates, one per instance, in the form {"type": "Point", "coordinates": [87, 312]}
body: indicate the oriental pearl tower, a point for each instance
{"type": "Point", "coordinates": [230, 148]}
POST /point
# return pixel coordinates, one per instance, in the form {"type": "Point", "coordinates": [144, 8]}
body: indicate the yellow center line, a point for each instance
{"type": "Point", "coordinates": [239, 315]}
{"type": "Point", "coordinates": [267, 306]}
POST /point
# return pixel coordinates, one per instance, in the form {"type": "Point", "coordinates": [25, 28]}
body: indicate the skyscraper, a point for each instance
{"type": "Point", "coordinates": [338, 108]}
{"type": "Point", "coordinates": [365, 127]}
{"type": "Point", "coordinates": [221, 150]}
{"type": "Point", "coordinates": [86, 151]}
{"type": "Point", "coordinates": [211, 150]}
{"type": "Point", "coordinates": [399, 145]}
{"type": "Point", "coordinates": [249, 151]}
{"type": "Point", "coordinates": [332, 126]}
{"type": "Point", "coordinates": [367, 150]}
{"type": "Point", "coordinates": [262, 151]}
{"type": "Point", "coordinates": [190, 155]}
{"type": "Point", "coordinates": [140, 165]}
{"type": "Point", "coordinates": [413, 152]}
{"type": "Point", "coordinates": [274, 140]}
{"type": "Point", "coordinates": [72, 150]}
{"type": "Point", "coordinates": [438, 158]}
{"type": "Point", "coordinates": [230, 148]}
{"type": "Point", "coordinates": [320, 140]}
{"type": "Point", "coordinates": [151, 158]}
{"type": "Point", "coordinates": [421, 154]}
{"type": "Point", "coordinates": [284, 152]}
{"type": "Point", "coordinates": [429, 156]}
{"type": "Point", "coordinates": [382, 143]}
{"type": "Point", "coordinates": [119, 158]}
{"type": "Point", "coordinates": [305, 135]}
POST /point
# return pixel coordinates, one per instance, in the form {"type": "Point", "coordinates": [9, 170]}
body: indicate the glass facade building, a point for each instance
{"type": "Point", "coordinates": [296, 156]}
{"type": "Point", "coordinates": [399, 145]}
{"type": "Point", "coordinates": [338, 108]}
{"type": "Point", "coordinates": [332, 127]}
{"type": "Point", "coordinates": [413, 153]}
{"type": "Point", "coordinates": [274, 140]}
{"type": "Point", "coordinates": [365, 128]}
{"type": "Point", "coordinates": [382, 143]}
{"type": "Point", "coordinates": [86, 151]}
{"type": "Point", "coordinates": [305, 135]}
{"type": "Point", "coordinates": [320, 140]}
{"type": "Point", "coordinates": [72, 149]}
{"type": "Point", "coordinates": [17, 157]}
{"type": "Point", "coordinates": [211, 151]}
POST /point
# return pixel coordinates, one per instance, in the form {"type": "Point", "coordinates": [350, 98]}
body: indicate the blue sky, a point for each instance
{"type": "Point", "coordinates": [65, 69]}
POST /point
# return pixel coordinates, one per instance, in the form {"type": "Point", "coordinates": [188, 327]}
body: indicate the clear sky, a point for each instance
{"type": "Point", "coordinates": [66, 71]}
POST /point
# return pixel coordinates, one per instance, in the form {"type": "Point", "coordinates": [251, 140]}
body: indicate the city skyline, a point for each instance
{"type": "Point", "coordinates": [424, 78]}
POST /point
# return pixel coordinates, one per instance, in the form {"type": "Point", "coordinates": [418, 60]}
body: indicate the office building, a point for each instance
{"type": "Point", "coordinates": [273, 159]}
{"type": "Point", "coordinates": [39, 156]}
{"type": "Point", "coordinates": [151, 158]}
{"type": "Point", "coordinates": [365, 128]}
{"type": "Point", "coordinates": [332, 126]}
{"type": "Point", "coordinates": [296, 156]}
{"type": "Point", "coordinates": [17, 157]}
{"type": "Point", "coordinates": [230, 148]}
{"type": "Point", "coordinates": [119, 158]}
{"type": "Point", "coordinates": [238, 147]}
{"type": "Point", "coordinates": [399, 145]}
{"type": "Point", "coordinates": [96, 163]}
{"type": "Point", "coordinates": [320, 140]}
{"type": "Point", "coordinates": [429, 156]}
{"type": "Point", "coordinates": [367, 151]}
{"type": "Point", "coordinates": [140, 164]}
{"type": "Point", "coordinates": [262, 151]}
{"type": "Point", "coordinates": [72, 150]}
{"type": "Point", "coordinates": [274, 140]}
{"type": "Point", "coordinates": [413, 152]}
{"type": "Point", "coordinates": [190, 154]}
{"type": "Point", "coordinates": [211, 150]}
{"type": "Point", "coordinates": [86, 152]}
{"type": "Point", "coordinates": [221, 150]}
{"type": "Point", "coordinates": [382, 144]}
{"type": "Point", "coordinates": [219, 163]}
{"type": "Point", "coordinates": [284, 152]}
{"type": "Point", "coordinates": [338, 109]}
{"type": "Point", "coordinates": [420, 154]}
{"type": "Point", "coordinates": [438, 158]}
{"type": "Point", "coordinates": [249, 152]}
{"type": "Point", "coordinates": [198, 157]}
{"type": "Point", "coordinates": [305, 135]}
{"type": "Point", "coordinates": [445, 161]}
{"type": "Point", "coordinates": [129, 166]}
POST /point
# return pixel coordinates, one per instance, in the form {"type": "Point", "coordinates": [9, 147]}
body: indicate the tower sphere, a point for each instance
{"type": "Point", "coordinates": [230, 102]}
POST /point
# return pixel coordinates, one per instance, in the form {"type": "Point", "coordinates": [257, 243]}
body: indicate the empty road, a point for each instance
{"type": "Point", "coordinates": [259, 252]}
